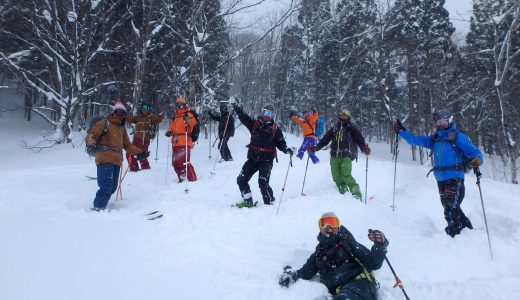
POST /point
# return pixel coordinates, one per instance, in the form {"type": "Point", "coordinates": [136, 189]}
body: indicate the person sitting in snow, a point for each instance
{"type": "Point", "coordinates": [449, 148]}
{"type": "Point", "coordinates": [266, 136]}
{"type": "Point", "coordinates": [108, 136]}
{"type": "Point", "coordinates": [308, 125]}
{"type": "Point", "coordinates": [344, 265]}
{"type": "Point", "coordinates": [344, 136]}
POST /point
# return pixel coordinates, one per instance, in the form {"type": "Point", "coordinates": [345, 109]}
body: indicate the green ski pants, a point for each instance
{"type": "Point", "coordinates": [341, 169]}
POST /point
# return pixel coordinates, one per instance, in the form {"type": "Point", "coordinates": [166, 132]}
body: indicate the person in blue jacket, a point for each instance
{"type": "Point", "coordinates": [450, 149]}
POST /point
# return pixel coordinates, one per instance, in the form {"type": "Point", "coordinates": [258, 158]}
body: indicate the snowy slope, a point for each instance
{"type": "Point", "coordinates": [53, 248]}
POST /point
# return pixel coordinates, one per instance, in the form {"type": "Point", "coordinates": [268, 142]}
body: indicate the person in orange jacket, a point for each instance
{"type": "Point", "coordinates": [308, 125]}
{"type": "Point", "coordinates": [179, 129]}
{"type": "Point", "coordinates": [144, 133]}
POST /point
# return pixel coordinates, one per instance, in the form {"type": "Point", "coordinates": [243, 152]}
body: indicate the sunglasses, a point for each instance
{"type": "Point", "coordinates": [441, 122]}
{"type": "Point", "coordinates": [267, 113]}
{"type": "Point", "coordinates": [119, 112]}
{"type": "Point", "coordinates": [146, 107]}
{"type": "Point", "coordinates": [331, 221]}
{"type": "Point", "coordinates": [181, 105]}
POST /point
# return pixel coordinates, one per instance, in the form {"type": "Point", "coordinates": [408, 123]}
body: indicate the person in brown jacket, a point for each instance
{"type": "Point", "coordinates": [109, 138]}
{"type": "Point", "coordinates": [144, 123]}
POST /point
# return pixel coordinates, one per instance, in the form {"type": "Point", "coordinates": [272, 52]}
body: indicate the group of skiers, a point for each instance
{"type": "Point", "coordinates": [344, 265]}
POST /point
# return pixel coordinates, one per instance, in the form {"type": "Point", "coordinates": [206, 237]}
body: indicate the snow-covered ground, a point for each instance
{"type": "Point", "coordinates": [53, 247]}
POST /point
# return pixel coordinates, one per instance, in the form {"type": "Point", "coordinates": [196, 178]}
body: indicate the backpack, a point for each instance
{"type": "Point", "coordinates": [257, 123]}
{"type": "Point", "coordinates": [91, 151]}
{"type": "Point", "coordinates": [352, 146]}
{"type": "Point", "coordinates": [466, 161]}
{"type": "Point", "coordinates": [196, 129]}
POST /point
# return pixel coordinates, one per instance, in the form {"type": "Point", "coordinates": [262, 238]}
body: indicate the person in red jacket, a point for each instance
{"type": "Point", "coordinates": [180, 128]}
{"type": "Point", "coordinates": [144, 133]}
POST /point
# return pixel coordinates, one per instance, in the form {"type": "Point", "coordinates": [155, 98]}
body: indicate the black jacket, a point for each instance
{"type": "Point", "coordinates": [338, 259]}
{"type": "Point", "coordinates": [265, 137]}
{"type": "Point", "coordinates": [344, 136]}
{"type": "Point", "coordinates": [222, 119]}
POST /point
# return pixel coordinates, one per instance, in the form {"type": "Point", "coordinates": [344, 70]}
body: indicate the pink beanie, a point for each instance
{"type": "Point", "coordinates": [119, 106]}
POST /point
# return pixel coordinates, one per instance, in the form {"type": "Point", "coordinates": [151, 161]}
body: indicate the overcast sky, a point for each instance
{"type": "Point", "coordinates": [460, 12]}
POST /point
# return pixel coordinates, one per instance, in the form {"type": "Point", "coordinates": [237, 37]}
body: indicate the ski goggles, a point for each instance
{"type": "Point", "coordinates": [267, 113]}
{"type": "Point", "coordinates": [119, 112]}
{"type": "Point", "coordinates": [344, 113]}
{"type": "Point", "coordinates": [146, 107]}
{"type": "Point", "coordinates": [181, 105]}
{"type": "Point", "coordinates": [331, 221]}
{"type": "Point", "coordinates": [443, 122]}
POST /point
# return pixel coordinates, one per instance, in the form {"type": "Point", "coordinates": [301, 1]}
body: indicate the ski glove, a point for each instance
{"type": "Point", "coordinates": [186, 119]}
{"type": "Point", "coordinates": [398, 126]}
{"type": "Point", "coordinates": [288, 276]}
{"type": "Point", "coordinates": [475, 163]}
{"type": "Point", "coordinates": [292, 113]}
{"type": "Point", "coordinates": [168, 133]}
{"type": "Point", "coordinates": [143, 155]}
{"type": "Point", "coordinates": [289, 151]}
{"type": "Point", "coordinates": [377, 237]}
{"type": "Point", "coordinates": [367, 150]}
{"type": "Point", "coordinates": [312, 149]}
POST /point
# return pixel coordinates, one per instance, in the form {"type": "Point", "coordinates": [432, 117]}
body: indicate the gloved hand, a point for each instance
{"type": "Point", "coordinates": [186, 119]}
{"type": "Point", "coordinates": [292, 113]}
{"type": "Point", "coordinates": [377, 237]}
{"type": "Point", "coordinates": [476, 162]}
{"type": "Point", "coordinates": [398, 126]}
{"type": "Point", "coordinates": [143, 155]}
{"type": "Point", "coordinates": [314, 110]}
{"type": "Point", "coordinates": [235, 104]}
{"type": "Point", "coordinates": [289, 151]}
{"type": "Point", "coordinates": [366, 150]}
{"type": "Point", "coordinates": [91, 147]}
{"type": "Point", "coordinates": [288, 276]}
{"type": "Point", "coordinates": [168, 133]}
{"type": "Point", "coordinates": [312, 149]}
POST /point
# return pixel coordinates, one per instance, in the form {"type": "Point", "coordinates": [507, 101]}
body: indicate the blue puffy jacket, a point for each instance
{"type": "Point", "coordinates": [443, 152]}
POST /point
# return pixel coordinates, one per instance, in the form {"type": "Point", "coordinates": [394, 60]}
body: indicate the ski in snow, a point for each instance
{"type": "Point", "coordinates": [91, 177]}
{"type": "Point", "coordinates": [154, 215]}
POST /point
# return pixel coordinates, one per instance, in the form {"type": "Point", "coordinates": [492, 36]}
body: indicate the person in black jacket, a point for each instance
{"type": "Point", "coordinates": [344, 136]}
{"type": "Point", "coordinates": [265, 138]}
{"type": "Point", "coordinates": [226, 129]}
{"type": "Point", "coordinates": [345, 266]}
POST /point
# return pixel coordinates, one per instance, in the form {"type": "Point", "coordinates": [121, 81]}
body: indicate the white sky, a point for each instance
{"type": "Point", "coordinates": [460, 12]}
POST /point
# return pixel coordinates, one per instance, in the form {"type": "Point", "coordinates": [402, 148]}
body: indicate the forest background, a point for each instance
{"type": "Point", "coordinates": [384, 60]}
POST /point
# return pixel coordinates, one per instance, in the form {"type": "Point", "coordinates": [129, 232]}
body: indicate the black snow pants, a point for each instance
{"type": "Point", "coordinates": [264, 172]}
{"type": "Point", "coordinates": [224, 149]}
{"type": "Point", "coordinates": [452, 193]}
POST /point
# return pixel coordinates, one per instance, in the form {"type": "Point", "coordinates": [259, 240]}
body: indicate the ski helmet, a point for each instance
{"type": "Point", "coordinates": [442, 113]}
{"type": "Point", "coordinates": [118, 107]}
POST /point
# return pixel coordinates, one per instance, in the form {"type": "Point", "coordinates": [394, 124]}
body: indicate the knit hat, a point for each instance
{"type": "Point", "coordinates": [119, 106]}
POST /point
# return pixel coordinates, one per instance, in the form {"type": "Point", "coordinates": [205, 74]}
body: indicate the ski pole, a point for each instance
{"type": "Point", "coordinates": [167, 158]}
{"type": "Point", "coordinates": [305, 175]}
{"type": "Point", "coordinates": [223, 136]}
{"type": "Point", "coordinates": [396, 152]}
{"type": "Point", "coordinates": [186, 160]}
{"type": "Point", "coordinates": [284, 182]}
{"type": "Point", "coordinates": [366, 179]}
{"type": "Point", "coordinates": [209, 144]}
{"type": "Point", "coordinates": [398, 282]}
{"type": "Point", "coordinates": [157, 146]}
{"type": "Point", "coordinates": [119, 189]}
{"type": "Point", "coordinates": [478, 174]}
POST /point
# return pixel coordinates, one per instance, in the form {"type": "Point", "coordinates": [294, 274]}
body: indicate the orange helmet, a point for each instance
{"type": "Point", "coordinates": [181, 100]}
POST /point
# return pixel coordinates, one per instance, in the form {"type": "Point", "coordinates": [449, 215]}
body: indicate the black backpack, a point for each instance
{"type": "Point", "coordinates": [91, 150]}
{"type": "Point", "coordinates": [196, 129]}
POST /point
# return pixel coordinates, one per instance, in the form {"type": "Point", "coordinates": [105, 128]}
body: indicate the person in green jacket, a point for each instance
{"type": "Point", "coordinates": [344, 265]}
{"type": "Point", "coordinates": [344, 136]}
